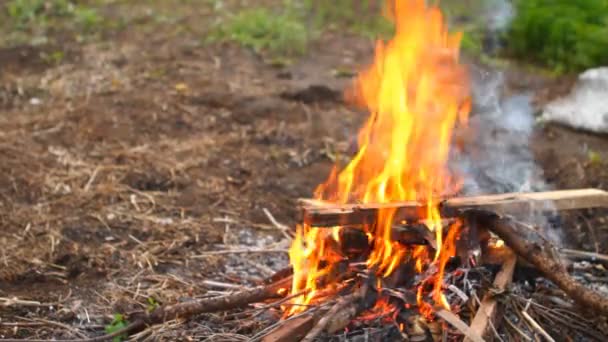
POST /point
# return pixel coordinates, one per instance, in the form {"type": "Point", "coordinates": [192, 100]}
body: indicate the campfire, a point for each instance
{"type": "Point", "coordinates": [388, 242]}
{"type": "Point", "coordinates": [416, 93]}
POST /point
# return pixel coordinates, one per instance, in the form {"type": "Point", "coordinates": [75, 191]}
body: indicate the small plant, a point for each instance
{"type": "Point", "coordinates": [152, 304]}
{"type": "Point", "coordinates": [264, 31]}
{"type": "Point", "coordinates": [54, 58]}
{"type": "Point", "coordinates": [594, 158]}
{"type": "Point", "coordinates": [117, 324]}
{"type": "Point", "coordinates": [87, 18]}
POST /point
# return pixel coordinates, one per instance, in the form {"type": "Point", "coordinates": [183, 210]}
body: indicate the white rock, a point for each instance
{"type": "Point", "coordinates": [586, 107]}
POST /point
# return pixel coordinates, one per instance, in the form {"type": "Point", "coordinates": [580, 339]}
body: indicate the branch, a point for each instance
{"type": "Point", "coordinates": [540, 254]}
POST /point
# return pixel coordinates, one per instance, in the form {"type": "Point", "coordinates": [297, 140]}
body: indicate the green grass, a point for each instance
{"type": "Point", "coordinates": [265, 31]}
{"type": "Point", "coordinates": [286, 30]}
{"type": "Point", "coordinates": [27, 14]}
{"type": "Point", "coordinates": [119, 322]}
{"type": "Point", "coordinates": [32, 21]}
{"type": "Point", "coordinates": [563, 35]}
{"type": "Point", "coordinates": [363, 17]}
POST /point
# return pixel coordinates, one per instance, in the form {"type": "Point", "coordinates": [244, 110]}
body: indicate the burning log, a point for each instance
{"type": "Point", "coordinates": [417, 234]}
{"type": "Point", "coordinates": [308, 327]}
{"type": "Point", "coordinates": [338, 316]}
{"type": "Point", "coordinates": [322, 214]}
{"type": "Point", "coordinates": [539, 253]}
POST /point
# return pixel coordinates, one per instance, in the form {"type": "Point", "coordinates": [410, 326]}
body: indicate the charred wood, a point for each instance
{"type": "Point", "coordinates": [323, 214]}
{"type": "Point", "coordinates": [293, 330]}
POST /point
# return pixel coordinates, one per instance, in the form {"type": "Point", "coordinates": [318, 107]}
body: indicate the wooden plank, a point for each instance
{"type": "Point", "coordinates": [489, 306]}
{"type": "Point", "coordinates": [323, 214]}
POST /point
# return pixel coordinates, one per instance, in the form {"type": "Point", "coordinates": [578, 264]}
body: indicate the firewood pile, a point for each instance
{"type": "Point", "coordinates": [504, 280]}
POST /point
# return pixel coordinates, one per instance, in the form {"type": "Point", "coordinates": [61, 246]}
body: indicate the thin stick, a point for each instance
{"type": "Point", "coordinates": [60, 325]}
{"type": "Point", "coordinates": [521, 333]}
{"type": "Point", "coordinates": [20, 302]}
{"type": "Point", "coordinates": [537, 327]}
{"type": "Point", "coordinates": [218, 284]}
{"type": "Point", "coordinates": [87, 186]}
{"type": "Point", "coordinates": [283, 228]}
{"type": "Point", "coordinates": [572, 253]}
{"type": "Point", "coordinates": [457, 323]}
{"type": "Point", "coordinates": [489, 306]}
{"type": "Point", "coordinates": [238, 251]}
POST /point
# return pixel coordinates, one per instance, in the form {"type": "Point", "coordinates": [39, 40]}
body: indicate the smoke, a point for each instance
{"type": "Point", "coordinates": [499, 14]}
{"type": "Point", "coordinates": [496, 157]}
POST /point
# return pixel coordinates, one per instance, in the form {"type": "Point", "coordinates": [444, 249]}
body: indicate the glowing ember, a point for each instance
{"type": "Point", "coordinates": [416, 92]}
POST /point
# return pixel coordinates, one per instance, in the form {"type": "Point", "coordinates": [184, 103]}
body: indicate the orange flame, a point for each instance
{"type": "Point", "coordinates": [416, 92]}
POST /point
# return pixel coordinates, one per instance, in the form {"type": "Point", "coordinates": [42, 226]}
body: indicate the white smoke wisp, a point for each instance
{"type": "Point", "coordinates": [496, 156]}
{"type": "Point", "coordinates": [499, 14]}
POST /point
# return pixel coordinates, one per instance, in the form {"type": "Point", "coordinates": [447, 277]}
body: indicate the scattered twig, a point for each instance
{"type": "Point", "coordinates": [521, 333]}
{"type": "Point", "coordinates": [4, 301]}
{"type": "Point", "coordinates": [457, 323]}
{"type": "Point", "coordinates": [239, 251]}
{"type": "Point", "coordinates": [87, 186]}
{"type": "Point", "coordinates": [489, 306]}
{"type": "Point", "coordinates": [57, 324]}
{"type": "Point", "coordinates": [571, 253]}
{"type": "Point", "coordinates": [283, 228]}
{"type": "Point", "coordinates": [596, 244]}
{"type": "Point", "coordinates": [537, 326]}
{"type": "Point", "coordinates": [218, 284]}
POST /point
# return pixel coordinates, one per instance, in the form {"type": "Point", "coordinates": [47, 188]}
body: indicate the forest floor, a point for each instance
{"type": "Point", "coordinates": [126, 156]}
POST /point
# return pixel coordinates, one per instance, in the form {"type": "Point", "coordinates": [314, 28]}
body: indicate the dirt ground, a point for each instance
{"type": "Point", "coordinates": [121, 164]}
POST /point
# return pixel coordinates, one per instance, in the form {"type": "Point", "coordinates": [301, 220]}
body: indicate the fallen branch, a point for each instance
{"type": "Point", "coordinates": [223, 303]}
{"type": "Point", "coordinates": [539, 253]}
